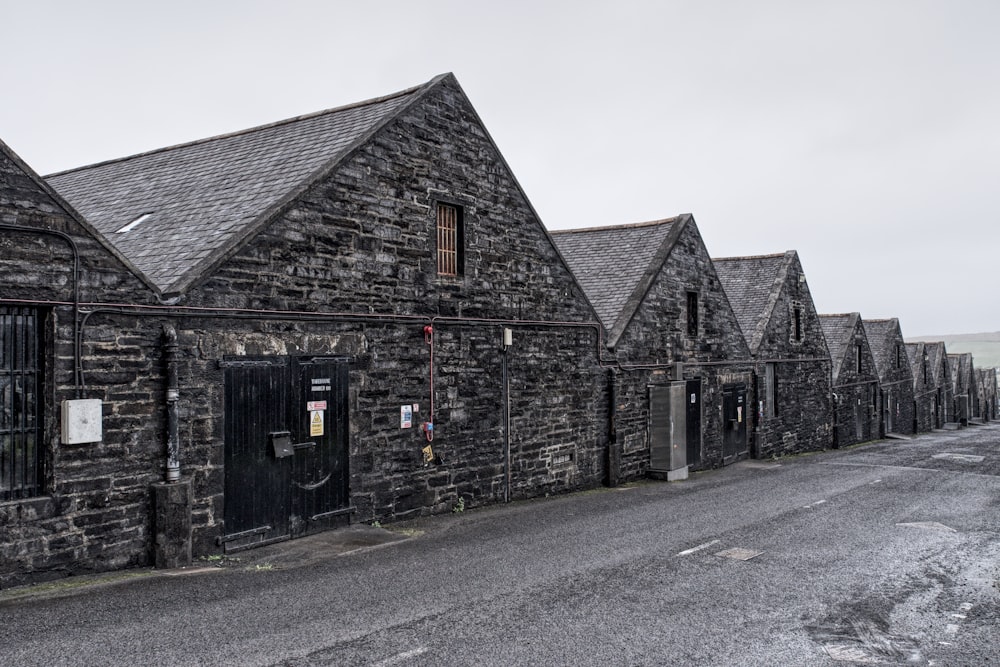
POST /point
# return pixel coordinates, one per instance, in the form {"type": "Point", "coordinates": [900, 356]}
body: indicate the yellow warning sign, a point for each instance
{"type": "Point", "coordinates": [316, 422]}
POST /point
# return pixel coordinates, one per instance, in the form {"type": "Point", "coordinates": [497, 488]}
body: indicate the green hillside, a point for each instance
{"type": "Point", "coordinates": [984, 347]}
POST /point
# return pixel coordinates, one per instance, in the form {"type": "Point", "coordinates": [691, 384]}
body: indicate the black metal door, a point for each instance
{"type": "Point", "coordinates": [320, 471]}
{"type": "Point", "coordinates": [734, 417]}
{"type": "Point", "coordinates": [286, 471]}
{"type": "Point", "coordinates": [693, 408]}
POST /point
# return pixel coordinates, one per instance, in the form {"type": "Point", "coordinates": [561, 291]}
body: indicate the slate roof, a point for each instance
{"type": "Point", "coordinates": [962, 369]}
{"type": "Point", "coordinates": [616, 265]}
{"type": "Point", "coordinates": [68, 209]}
{"type": "Point", "coordinates": [838, 330]}
{"type": "Point", "coordinates": [936, 354]}
{"type": "Point", "coordinates": [205, 197]}
{"type": "Point", "coordinates": [880, 334]}
{"type": "Point", "coordinates": [753, 285]}
{"type": "Point", "coordinates": [915, 354]}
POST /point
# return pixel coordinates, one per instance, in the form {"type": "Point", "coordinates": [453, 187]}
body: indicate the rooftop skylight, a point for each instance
{"type": "Point", "coordinates": [132, 225]}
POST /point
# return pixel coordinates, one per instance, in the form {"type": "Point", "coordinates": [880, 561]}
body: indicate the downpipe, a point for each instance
{"type": "Point", "coordinates": [173, 396]}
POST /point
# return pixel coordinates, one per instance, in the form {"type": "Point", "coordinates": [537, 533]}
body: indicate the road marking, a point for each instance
{"type": "Point", "coordinates": [688, 552]}
{"type": "Point", "coordinates": [959, 616]}
{"type": "Point", "coordinates": [405, 655]}
{"type": "Point", "coordinates": [738, 553]}
{"type": "Point", "coordinates": [849, 653]}
{"type": "Point", "coordinates": [914, 468]}
{"type": "Point", "coordinates": [818, 502]}
{"type": "Point", "coordinates": [928, 525]}
{"type": "Point", "coordinates": [963, 458]}
{"type": "Point", "coordinates": [966, 606]}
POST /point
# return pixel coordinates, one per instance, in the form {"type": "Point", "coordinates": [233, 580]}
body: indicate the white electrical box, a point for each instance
{"type": "Point", "coordinates": [81, 421]}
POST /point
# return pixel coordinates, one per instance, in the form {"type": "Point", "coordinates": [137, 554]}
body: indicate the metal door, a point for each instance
{"type": "Point", "coordinates": [319, 463]}
{"type": "Point", "coordinates": [667, 440]}
{"type": "Point", "coordinates": [286, 448]}
{"type": "Point", "coordinates": [693, 405]}
{"type": "Point", "coordinates": [734, 437]}
{"type": "Point", "coordinates": [890, 411]}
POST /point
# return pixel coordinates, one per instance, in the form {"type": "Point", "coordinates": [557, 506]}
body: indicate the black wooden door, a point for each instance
{"type": "Point", "coordinates": [734, 417]}
{"type": "Point", "coordinates": [319, 427]}
{"type": "Point", "coordinates": [286, 471]}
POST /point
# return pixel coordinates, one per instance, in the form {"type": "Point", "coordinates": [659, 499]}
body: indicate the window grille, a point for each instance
{"type": "Point", "coordinates": [21, 455]}
{"type": "Point", "coordinates": [449, 240]}
{"type": "Point", "coordinates": [692, 313]}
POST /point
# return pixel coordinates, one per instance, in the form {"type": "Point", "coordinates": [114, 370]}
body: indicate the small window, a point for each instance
{"type": "Point", "coordinates": [21, 442]}
{"type": "Point", "coordinates": [771, 389]}
{"type": "Point", "coordinates": [135, 223]}
{"type": "Point", "coordinates": [898, 360]}
{"type": "Point", "coordinates": [450, 251]}
{"type": "Point", "coordinates": [797, 323]}
{"type": "Point", "coordinates": [692, 313]}
{"type": "Point", "coordinates": [858, 357]}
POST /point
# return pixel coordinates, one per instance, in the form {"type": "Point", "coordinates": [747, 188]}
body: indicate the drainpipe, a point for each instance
{"type": "Point", "coordinates": [507, 341]}
{"type": "Point", "coordinates": [614, 455]}
{"type": "Point", "coordinates": [173, 395]}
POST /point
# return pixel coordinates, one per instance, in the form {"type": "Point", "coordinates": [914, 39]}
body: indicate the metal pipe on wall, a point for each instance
{"type": "Point", "coordinates": [173, 395]}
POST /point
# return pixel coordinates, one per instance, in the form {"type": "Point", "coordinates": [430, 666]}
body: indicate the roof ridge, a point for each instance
{"type": "Point", "coordinates": [199, 270]}
{"type": "Point", "coordinates": [632, 225]}
{"type": "Point", "coordinates": [250, 130]}
{"type": "Point", "coordinates": [743, 257]}
{"type": "Point", "coordinates": [777, 285]}
{"type": "Point", "coordinates": [648, 276]}
{"type": "Point", "coordinates": [75, 215]}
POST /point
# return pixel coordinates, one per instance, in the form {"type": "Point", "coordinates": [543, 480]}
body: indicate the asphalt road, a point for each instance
{"type": "Point", "coordinates": [888, 553]}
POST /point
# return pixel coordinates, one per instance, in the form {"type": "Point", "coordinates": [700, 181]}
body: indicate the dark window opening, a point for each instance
{"type": "Point", "coordinates": [797, 317]}
{"type": "Point", "coordinates": [771, 382]}
{"type": "Point", "coordinates": [897, 361]}
{"type": "Point", "coordinates": [21, 444]}
{"type": "Point", "coordinates": [450, 241]}
{"type": "Point", "coordinates": [692, 313]}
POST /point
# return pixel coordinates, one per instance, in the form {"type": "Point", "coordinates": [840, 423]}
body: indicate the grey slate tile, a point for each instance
{"type": "Point", "coordinates": [204, 196]}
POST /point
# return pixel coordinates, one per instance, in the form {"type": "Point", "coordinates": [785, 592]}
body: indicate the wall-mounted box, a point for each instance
{"type": "Point", "coordinates": [81, 421]}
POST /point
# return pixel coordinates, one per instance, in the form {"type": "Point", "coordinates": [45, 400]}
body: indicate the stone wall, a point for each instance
{"type": "Point", "coordinates": [803, 419]}
{"type": "Point", "coordinates": [94, 508]}
{"type": "Point", "coordinates": [359, 246]}
{"type": "Point", "coordinates": [658, 334]}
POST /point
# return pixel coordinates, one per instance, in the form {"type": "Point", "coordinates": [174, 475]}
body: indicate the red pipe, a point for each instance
{"type": "Point", "coordinates": [429, 424]}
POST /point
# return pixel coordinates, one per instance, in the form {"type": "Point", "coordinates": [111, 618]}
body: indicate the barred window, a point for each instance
{"type": "Point", "coordinates": [797, 323]}
{"type": "Point", "coordinates": [692, 313]}
{"type": "Point", "coordinates": [21, 448]}
{"type": "Point", "coordinates": [450, 255]}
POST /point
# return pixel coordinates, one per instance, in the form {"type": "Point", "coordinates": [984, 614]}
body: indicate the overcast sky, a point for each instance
{"type": "Point", "coordinates": [865, 135]}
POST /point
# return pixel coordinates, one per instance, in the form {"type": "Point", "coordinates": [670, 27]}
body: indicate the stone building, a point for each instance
{"type": "Point", "coordinates": [855, 380]}
{"type": "Point", "coordinates": [931, 385]}
{"type": "Point", "coordinates": [964, 391]}
{"type": "Point", "coordinates": [359, 316]}
{"type": "Point", "coordinates": [988, 394]}
{"type": "Point", "coordinates": [775, 310]}
{"type": "Point", "coordinates": [82, 406]}
{"type": "Point", "coordinates": [895, 377]}
{"type": "Point", "coordinates": [678, 357]}
{"type": "Point", "coordinates": [941, 372]}
{"type": "Point", "coordinates": [986, 380]}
